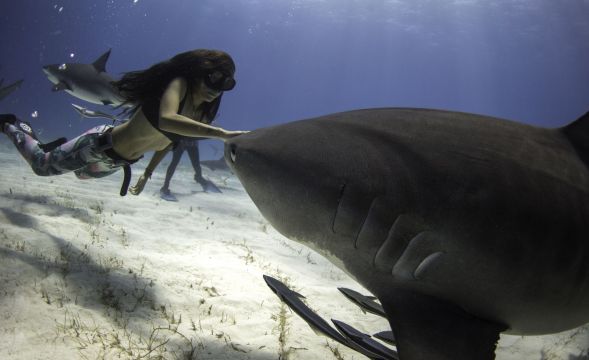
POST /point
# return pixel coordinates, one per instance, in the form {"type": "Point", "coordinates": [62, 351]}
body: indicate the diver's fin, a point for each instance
{"type": "Point", "coordinates": [62, 85]}
{"type": "Point", "coordinates": [47, 147]}
{"type": "Point", "coordinates": [374, 349]}
{"type": "Point", "coordinates": [28, 129]}
{"type": "Point", "coordinates": [365, 303]}
{"type": "Point", "coordinates": [100, 63]}
{"type": "Point", "coordinates": [386, 336]}
{"type": "Point", "coordinates": [7, 119]}
{"type": "Point", "coordinates": [578, 134]}
{"type": "Point", "coordinates": [429, 328]}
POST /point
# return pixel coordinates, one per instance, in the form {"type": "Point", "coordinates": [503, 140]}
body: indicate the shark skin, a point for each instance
{"type": "Point", "coordinates": [463, 226]}
{"type": "Point", "coordinates": [88, 82]}
{"type": "Point", "coordinates": [7, 90]}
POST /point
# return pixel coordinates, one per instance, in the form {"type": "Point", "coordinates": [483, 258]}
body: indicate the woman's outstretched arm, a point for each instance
{"type": "Point", "coordinates": [173, 122]}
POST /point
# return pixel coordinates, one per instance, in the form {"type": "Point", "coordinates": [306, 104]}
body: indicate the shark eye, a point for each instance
{"type": "Point", "coordinates": [233, 152]}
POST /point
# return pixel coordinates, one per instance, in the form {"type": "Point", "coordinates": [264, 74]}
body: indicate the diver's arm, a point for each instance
{"type": "Point", "coordinates": [175, 123]}
{"type": "Point", "coordinates": [153, 163]}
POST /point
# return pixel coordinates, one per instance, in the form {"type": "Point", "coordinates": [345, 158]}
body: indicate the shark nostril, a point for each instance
{"type": "Point", "coordinates": [233, 152]}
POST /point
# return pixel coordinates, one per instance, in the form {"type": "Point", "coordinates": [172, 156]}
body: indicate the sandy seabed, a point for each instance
{"type": "Point", "coordinates": [88, 274]}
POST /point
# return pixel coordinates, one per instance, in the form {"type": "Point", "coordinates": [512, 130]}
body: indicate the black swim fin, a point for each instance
{"type": "Point", "coordinates": [28, 129]}
{"type": "Point", "coordinates": [47, 147]}
{"type": "Point", "coordinates": [7, 119]}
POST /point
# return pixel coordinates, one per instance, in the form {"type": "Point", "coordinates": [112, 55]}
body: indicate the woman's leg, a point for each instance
{"type": "Point", "coordinates": [176, 155]}
{"type": "Point", "coordinates": [194, 156]}
{"type": "Point", "coordinates": [73, 155]}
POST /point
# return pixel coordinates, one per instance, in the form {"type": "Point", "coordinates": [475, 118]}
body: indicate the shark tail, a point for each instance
{"type": "Point", "coordinates": [578, 134]}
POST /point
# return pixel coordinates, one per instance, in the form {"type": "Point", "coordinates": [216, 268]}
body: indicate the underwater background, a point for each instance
{"type": "Point", "coordinates": [85, 273]}
{"type": "Point", "coordinates": [524, 60]}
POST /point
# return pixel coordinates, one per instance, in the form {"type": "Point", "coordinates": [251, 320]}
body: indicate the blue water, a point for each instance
{"type": "Point", "coordinates": [521, 60]}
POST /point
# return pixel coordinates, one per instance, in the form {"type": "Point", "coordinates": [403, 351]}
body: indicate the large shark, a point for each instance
{"type": "Point", "coordinates": [7, 90]}
{"type": "Point", "coordinates": [464, 226]}
{"type": "Point", "coordinates": [88, 82]}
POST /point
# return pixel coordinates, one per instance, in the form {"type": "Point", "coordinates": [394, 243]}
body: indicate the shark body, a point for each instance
{"type": "Point", "coordinates": [89, 82]}
{"type": "Point", "coordinates": [463, 226]}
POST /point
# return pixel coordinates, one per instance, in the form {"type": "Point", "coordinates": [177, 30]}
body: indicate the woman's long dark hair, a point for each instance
{"type": "Point", "coordinates": [139, 87]}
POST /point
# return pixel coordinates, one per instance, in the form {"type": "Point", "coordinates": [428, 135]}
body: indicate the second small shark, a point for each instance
{"type": "Point", "coordinates": [87, 113]}
{"type": "Point", "coordinates": [88, 82]}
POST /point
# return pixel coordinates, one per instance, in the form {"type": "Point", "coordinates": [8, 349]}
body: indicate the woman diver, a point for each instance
{"type": "Point", "coordinates": [174, 98]}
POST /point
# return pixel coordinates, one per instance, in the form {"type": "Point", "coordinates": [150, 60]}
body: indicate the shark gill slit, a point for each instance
{"type": "Point", "coordinates": [364, 222]}
{"type": "Point", "coordinates": [400, 235]}
{"type": "Point", "coordinates": [339, 204]}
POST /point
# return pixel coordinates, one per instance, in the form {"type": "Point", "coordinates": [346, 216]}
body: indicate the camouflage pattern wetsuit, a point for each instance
{"type": "Point", "coordinates": [82, 155]}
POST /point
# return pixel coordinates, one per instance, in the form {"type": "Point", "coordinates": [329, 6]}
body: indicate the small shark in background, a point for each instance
{"type": "Point", "coordinates": [92, 114]}
{"type": "Point", "coordinates": [88, 82]}
{"type": "Point", "coordinates": [7, 90]}
{"type": "Point", "coordinates": [219, 164]}
{"type": "Point", "coordinates": [463, 226]}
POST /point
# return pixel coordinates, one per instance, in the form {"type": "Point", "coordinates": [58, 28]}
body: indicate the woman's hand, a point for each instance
{"type": "Point", "coordinates": [138, 188]}
{"type": "Point", "coordinates": [229, 134]}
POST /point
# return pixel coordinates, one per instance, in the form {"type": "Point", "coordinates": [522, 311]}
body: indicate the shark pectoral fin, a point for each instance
{"type": "Point", "coordinates": [429, 328]}
{"type": "Point", "coordinates": [62, 85]}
